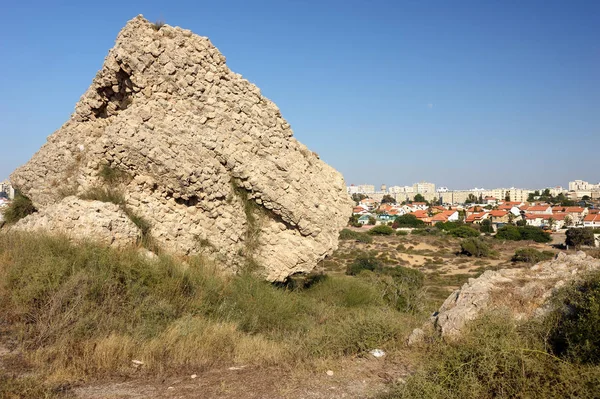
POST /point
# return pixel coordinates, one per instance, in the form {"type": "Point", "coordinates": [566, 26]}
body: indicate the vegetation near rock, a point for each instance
{"type": "Point", "coordinates": [382, 230]}
{"type": "Point", "coordinates": [497, 357]}
{"type": "Point", "coordinates": [531, 255]}
{"type": "Point", "coordinates": [578, 237]}
{"type": "Point", "coordinates": [83, 311]}
{"type": "Point", "coordinates": [119, 146]}
{"type": "Point", "coordinates": [475, 247]}
{"type": "Point", "coordinates": [19, 208]}
{"type": "Point", "coordinates": [518, 233]}
{"type": "Point", "coordinates": [575, 322]}
{"type": "Point", "coordinates": [347, 234]}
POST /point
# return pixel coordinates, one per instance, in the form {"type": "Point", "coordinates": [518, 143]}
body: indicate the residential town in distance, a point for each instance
{"type": "Point", "coordinates": [551, 209]}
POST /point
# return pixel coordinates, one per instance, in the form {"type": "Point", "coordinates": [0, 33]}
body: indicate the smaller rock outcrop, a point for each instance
{"type": "Point", "coordinates": [525, 292]}
{"type": "Point", "coordinates": [84, 220]}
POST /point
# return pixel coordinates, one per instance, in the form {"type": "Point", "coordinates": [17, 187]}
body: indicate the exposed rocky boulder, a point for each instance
{"type": "Point", "coordinates": [525, 292]}
{"type": "Point", "coordinates": [197, 152]}
{"type": "Point", "coordinates": [84, 220]}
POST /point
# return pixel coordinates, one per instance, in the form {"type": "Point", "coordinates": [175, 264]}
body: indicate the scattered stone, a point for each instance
{"type": "Point", "coordinates": [329, 373]}
{"type": "Point", "coordinates": [137, 363]}
{"type": "Point", "coordinates": [209, 163]}
{"type": "Point", "coordinates": [237, 368]}
{"type": "Point", "coordinates": [194, 376]}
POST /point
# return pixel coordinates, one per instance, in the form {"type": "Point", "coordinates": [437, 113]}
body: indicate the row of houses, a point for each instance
{"type": "Point", "coordinates": [533, 214]}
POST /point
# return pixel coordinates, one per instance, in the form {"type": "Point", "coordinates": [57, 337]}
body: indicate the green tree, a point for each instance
{"type": "Point", "coordinates": [486, 226]}
{"type": "Point", "coordinates": [471, 199]}
{"type": "Point", "coordinates": [388, 199]}
{"type": "Point", "coordinates": [578, 237]}
{"type": "Point", "coordinates": [507, 197]}
{"type": "Point", "coordinates": [372, 220]}
{"type": "Point", "coordinates": [419, 198]}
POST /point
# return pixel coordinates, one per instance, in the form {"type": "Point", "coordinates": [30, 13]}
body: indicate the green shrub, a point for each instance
{"type": "Point", "coordinates": [496, 358]}
{"type": "Point", "coordinates": [381, 230]}
{"type": "Point", "coordinates": [448, 226]}
{"type": "Point", "coordinates": [464, 232]}
{"type": "Point", "coordinates": [534, 233]}
{"type": "Point", "coordinates": [517, 233]}
{"type": "Point", "coordinates": [575, 324]}
{"type": "Point", "coordinates": [402, 233]}
{"type": "Point", "coordinates": [475, 247]}
{"type": "Point", "coordinates": [363, 262]}
{"type": "Point", "coordinates": [509, 232]}
{"type": "Point", "coordinates": [407, 221]}
{"type": "Point", "coordinates": [578, 237]}
{"type": "Point", "coordinates": [347, 234]}
{"type": "Point", "coordinates": [20, 207]}
{"type": "Point", "coordinates": [531, 255]}
{"type": "Point", "coordinates": [426, 231]}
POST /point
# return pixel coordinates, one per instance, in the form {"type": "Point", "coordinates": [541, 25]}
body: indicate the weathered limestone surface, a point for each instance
{"type": "Point", "coordinates": [524, 292]}
{"type": "Point", "coordinates": [84, 220]}
{"type": "Point", "coordinates": [196, 140]}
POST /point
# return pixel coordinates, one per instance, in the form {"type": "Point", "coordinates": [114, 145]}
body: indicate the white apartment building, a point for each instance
{"type": "Point", "coordinates": [424, 187]}
{"type": "Point", "coordinates": [580, 185]}
{"type": "Point", "coordinates": [361, 189]}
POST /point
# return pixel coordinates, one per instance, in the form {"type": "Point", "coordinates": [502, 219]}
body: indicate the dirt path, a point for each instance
{"type": "Point", "coordinates": [358, 378]}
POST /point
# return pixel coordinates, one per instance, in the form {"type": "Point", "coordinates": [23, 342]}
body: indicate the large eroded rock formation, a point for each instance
{"type": "Point", "coordinates": [198, 152]}
{"type": "Point", "coordinates": [523, 292]}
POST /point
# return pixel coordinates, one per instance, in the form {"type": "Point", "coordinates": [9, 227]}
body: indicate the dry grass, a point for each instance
{"type": "Point", "coordinates": [83, 311]}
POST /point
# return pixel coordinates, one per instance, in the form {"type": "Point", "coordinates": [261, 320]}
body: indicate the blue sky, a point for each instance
{"type": "Point", "coordinates": [460, 93]}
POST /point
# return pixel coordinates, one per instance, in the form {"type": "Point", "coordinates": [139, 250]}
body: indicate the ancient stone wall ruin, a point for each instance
{"type": "Point", "coordinates": [205, 159]}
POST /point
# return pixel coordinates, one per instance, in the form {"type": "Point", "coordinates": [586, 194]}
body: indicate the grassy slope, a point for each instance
{"type": "Point", "coordinates": [85, 310]}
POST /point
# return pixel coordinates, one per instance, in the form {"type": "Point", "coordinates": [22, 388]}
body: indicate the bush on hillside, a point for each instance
{"type": "Point", "coordinates": [578, 237]}
{"type": "Point", "coordinates": [474, 247]}
{"type": "Point", "coordinates": [531, 255]}
{"type": "Point", "coordinates": [464, 232]}
{"type": "Point", "coordinates": [363, 262]}
{"type": "Point", "coordinates": [575, 324]}
{"type": "Point", "coordinates": [347, 234]}
{"type": "Point", "coordinates": [518, 233]}
{"type": "Point", "coordinates": [381, 230]}
{"type": "Point", "coordinates": [496, 358]}
{"type": "Point", "coordinates": [407, 221]}
{"type": "Point", "coordinates": [448, 226]}
{"type": "Point", "coordinates": [535, 234]}
{"type": "Point", "coordinates": [402, 233]}
{"type": "Point", "coordinates": [20, 207]}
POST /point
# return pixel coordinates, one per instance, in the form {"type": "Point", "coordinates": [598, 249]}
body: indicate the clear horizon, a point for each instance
{"type": "Point", "coordinates": [461, 95]}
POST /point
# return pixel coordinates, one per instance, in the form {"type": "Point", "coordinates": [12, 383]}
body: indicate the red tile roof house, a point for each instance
{"type": "Point", "coordinates": [359, 210]}
{"type": "Point", "coordinates": [539, 220]}
{"type": "Point", "coordinates": [423, 216]}
{"type": "Point", "coordinates": [538, 209]}
{"type": "Point", "coordinates": [476, 217]}
{"type": "Point", "coordinates": [591, 220]}
{"type": "Point", "coordinates": [499, 216]}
